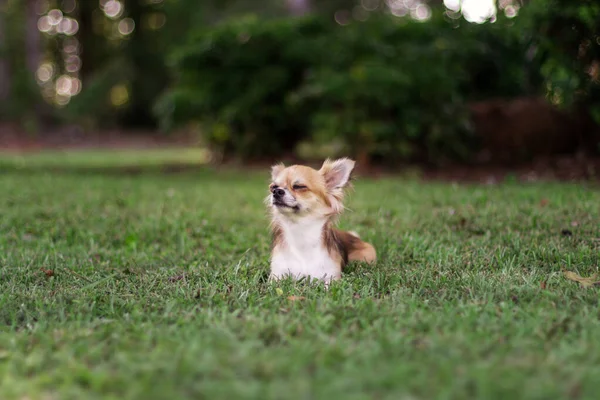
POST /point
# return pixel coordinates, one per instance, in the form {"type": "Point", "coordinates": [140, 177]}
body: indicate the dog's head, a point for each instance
{"type": "Point", "coordinates": [299, 191]}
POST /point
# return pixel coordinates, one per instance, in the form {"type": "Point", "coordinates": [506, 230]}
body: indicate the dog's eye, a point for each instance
{"type": "Point", "coordinates": [298, 187]}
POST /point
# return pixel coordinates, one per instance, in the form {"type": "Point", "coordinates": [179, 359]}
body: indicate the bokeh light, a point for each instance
{"type": "Point", "coordinates": [399, 11]}
{"type": "Point", "coordinates": [126, 26]}
{"type": "Point", "coordinates": [453, 5]}
{"type": "Point", "coordinates": [45, 72]}
{"type": "Point", "coordinates": [343, 17]}
{"type": "Point", "coordinates": [59, 81]}
{"type": "Point", "coordinates": [370, 5]}
{"type": "Point", "coordinates": [421, 13]}
{"type": "Point", "coordinates": [113, 9]}
{"type": "Point", "coordinates": [44, 24]}
{"type": "Point", "coordinates": [71, 45]}
{"type": "Point", "coordinates": [61, 100]}
{"type": "Point", "coordinates": [510, 11]}
{"type": "Point", "coordinates": [478, 11]}
{"type": "Point", "coordinates": [75, 86]}
{"type": "Point", "coordinates": [54, 17]}
{"type": "Point", "coordinates": [63, 85]}
{"type": "Point", "coordinates": [68, 26]}
{"type": "Point", "coordinates": [155, 21]}
{"type": "Point", "coordinates": [119, 95]}
{"type": "Point", "coordinates": [73, 63]}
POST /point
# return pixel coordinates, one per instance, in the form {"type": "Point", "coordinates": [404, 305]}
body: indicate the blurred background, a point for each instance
{"type": "Point", "coordinates": [389, 82]}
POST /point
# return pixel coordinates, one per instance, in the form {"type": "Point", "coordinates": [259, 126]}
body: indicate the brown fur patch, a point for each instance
{"type": "Point", "coordinates": [346, 246]}
{"type": "Point", "coordinates": [277, 236]}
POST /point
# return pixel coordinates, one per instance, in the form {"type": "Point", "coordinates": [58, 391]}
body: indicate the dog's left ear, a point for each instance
{"type": "Point", "coordinates": [337, 173]}
{"type": "Point", "coordinates": [276, 170]}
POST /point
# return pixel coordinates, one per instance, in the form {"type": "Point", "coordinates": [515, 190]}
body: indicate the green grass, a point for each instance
{"type": "Point", "coordinates": [104, 159]}
{"type": "Point", "coordinates": [159, 292]}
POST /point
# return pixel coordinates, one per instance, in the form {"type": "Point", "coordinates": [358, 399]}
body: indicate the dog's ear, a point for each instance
{"type": "Point", "coordinates": [276, 170]}
{"type": "Point", "coordinates": [337, 173]}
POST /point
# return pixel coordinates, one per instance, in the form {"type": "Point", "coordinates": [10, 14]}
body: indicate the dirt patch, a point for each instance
{"type": "Point", "coordinates": [514, 130]}
{"type": "Point", "coordinates": [564, 168]}
{"type": "Point", "coordinates": [14, 138]}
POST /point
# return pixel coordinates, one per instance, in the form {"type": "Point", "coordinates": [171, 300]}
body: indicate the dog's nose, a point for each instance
{"type": "Point", "coordinates": [278, 192]}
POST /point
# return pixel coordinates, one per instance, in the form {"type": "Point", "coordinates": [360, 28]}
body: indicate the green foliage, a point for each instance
{"type": "Point", "coordinates": [388, 88]}
{"type": "Point", "coordinates": [235, 79]}
{"type": "Point", "coordinates": [154, 287]}
{"type": "Point", "coordinates": [567, 36]}
{"type": "Point", "coordinates": [396, 89]}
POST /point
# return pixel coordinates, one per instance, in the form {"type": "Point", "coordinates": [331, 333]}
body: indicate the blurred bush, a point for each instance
{"type": "Point", "coordinates": [236, 78]}
{"type": "Point", "coordinates": [388, 88]}
{"type": "Point", "coordinates": [396, 89]}
{"type": "Point", "coordinates": [566, 35]}
{"type": "Point", "coordinates": [340, 80]}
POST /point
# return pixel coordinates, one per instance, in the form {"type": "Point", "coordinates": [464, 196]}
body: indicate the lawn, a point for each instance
{"type": "Point", "coordinates": [153, 286]}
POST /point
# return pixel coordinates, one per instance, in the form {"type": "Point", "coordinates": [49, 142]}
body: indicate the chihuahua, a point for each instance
{"type": "Point", "coordinates": [304, 205]}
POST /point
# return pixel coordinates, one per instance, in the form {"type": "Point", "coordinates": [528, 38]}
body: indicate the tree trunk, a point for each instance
{"type": "Point", "coordinates": [4, 64]}
{"type": "Point", "coordinates": [92, 54]}
{"type": "Point", "coordinates": [33, 43]}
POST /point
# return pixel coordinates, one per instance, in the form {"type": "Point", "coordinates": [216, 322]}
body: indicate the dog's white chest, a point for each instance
{"type": "Point", "coordinates": [314, 263]}
{"type": "Point", "coordinates": [303, 254]}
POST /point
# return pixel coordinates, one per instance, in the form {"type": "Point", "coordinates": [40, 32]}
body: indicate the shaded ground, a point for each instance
{"type": "Point", "coordinates": [13, 138]}
{"type": "Point", "coordinates": [39, 147]}
{"type": "Point", "coordinates": [561, 168]}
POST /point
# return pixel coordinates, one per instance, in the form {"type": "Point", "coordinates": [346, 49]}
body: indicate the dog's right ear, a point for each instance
{"type": "Point", "coordinates": [337, 173]}
{"type": "Point", "coordinates": [276, 170]}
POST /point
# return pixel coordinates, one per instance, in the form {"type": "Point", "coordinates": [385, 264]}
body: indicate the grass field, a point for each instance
{"type": "Point", "coordinates": [154, 287]}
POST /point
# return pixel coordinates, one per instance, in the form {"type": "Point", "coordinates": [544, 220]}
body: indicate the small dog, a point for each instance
{"type": "Point", "coordinates": [304, 203]}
